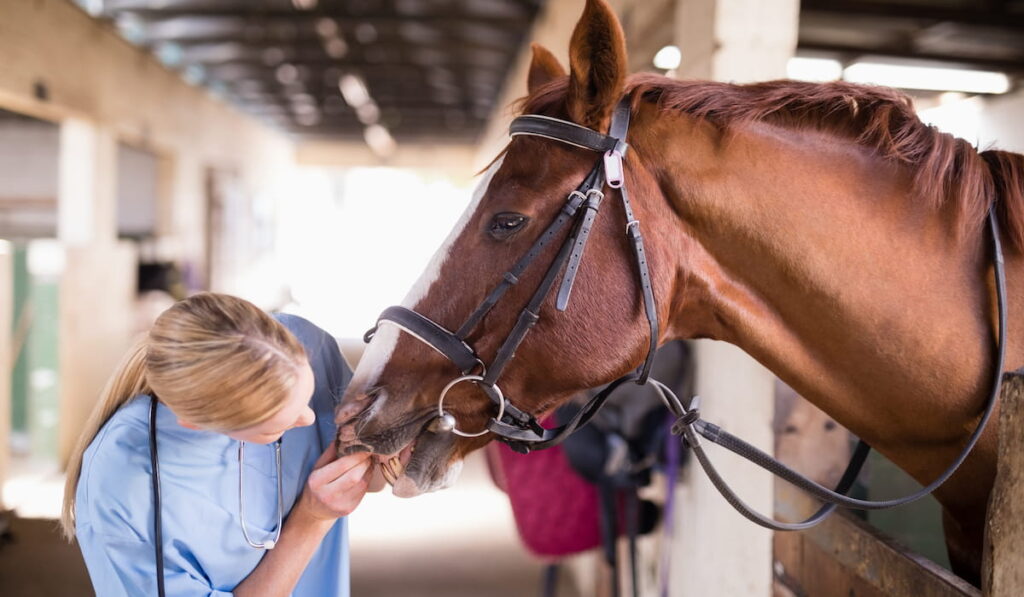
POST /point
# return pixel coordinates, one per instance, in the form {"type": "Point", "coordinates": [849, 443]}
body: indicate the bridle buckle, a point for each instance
{"type": "Point", "coordinates": [613, 171]}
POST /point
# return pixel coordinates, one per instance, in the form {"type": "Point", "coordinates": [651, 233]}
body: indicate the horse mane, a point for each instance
{"type": "Point", "coordinates": [945, 169]}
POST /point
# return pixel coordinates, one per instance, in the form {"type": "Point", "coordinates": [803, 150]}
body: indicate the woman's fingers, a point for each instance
{"type": "Point", "coordinates": [335, 487]}
{"type": "Point", "coordinates": [324, 473]}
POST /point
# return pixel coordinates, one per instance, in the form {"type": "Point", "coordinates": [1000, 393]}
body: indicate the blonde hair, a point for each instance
{"type": "Point", "coordinates": [217, 361]}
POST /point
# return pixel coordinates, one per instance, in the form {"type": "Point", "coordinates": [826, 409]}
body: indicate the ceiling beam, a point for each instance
{"type": "Point", "coordinates": [986, 15]}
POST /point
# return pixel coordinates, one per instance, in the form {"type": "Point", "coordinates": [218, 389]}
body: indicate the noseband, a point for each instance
{"type": "Point", "coordinates": [522, 432]}
{"type": "Point", "coordinates": [519, 429]}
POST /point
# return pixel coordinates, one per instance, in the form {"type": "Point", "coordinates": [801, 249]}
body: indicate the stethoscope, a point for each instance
{"type": "Point", "coordinates": [157, 524]}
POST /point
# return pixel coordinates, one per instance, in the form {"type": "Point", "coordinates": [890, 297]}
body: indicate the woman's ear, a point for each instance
{"type": "Point", "coordinates": [597, 66]}
{"type": "Point", "coordinates": [544, 68]}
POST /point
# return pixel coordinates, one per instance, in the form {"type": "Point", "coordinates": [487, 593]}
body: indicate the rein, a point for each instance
{"type": "Point", "coordinates": [522, 432]}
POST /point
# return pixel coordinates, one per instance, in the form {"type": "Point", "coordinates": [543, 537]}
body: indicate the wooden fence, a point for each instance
{"type": "Point", "coordinates": [845, 556]}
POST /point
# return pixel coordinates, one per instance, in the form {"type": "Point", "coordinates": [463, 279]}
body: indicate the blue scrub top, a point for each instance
{"type": "Point", "coordinates": [205, 552]}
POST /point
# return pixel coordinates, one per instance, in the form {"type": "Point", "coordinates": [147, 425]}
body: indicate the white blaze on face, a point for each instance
{"type": "Point", "coordinates": [380, 349]}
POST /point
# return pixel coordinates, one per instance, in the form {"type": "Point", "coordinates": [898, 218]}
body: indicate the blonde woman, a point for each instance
{"type": "Point", "coordinates": [233, 410]}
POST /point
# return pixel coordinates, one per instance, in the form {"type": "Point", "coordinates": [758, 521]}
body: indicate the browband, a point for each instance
{"type": "Point", "coordinates": [567, 132]}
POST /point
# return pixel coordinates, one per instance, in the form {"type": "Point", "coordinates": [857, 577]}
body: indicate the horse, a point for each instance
{"type": "Point", "coordinates": [820, 227]}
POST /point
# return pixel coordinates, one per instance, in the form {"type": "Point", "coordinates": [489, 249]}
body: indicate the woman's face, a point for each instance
{"type": "Point", "coordinates": [295, 413]}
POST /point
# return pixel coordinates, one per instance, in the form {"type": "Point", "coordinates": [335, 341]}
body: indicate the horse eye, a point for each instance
{"type": "Point", "coordinates": [506, 224]}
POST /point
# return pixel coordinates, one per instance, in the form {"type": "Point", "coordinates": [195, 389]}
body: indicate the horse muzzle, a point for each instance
{"type": "Point", "coordinates": [416, 454]}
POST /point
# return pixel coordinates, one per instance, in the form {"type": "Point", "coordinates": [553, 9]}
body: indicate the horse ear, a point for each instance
{"type": "Point", "coordinates": [544, 68]}
{"type": "Point", "coordinates": [597, 66]}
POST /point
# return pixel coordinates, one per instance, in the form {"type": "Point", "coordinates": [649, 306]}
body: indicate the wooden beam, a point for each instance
{"type": "Point", "coordinates": [983, 16]}
{"type": "Point", "coordinates": [1003, 563]}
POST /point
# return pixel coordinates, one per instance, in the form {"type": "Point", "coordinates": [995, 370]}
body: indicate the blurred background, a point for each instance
{"type": "Point", "coordinates": [310, 155]}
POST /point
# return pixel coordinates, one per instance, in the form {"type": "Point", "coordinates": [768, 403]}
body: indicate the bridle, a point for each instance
{"type": "Point", "coordinates": [522, 432]}
{"type": "Point", "coordinates": [518, 429]}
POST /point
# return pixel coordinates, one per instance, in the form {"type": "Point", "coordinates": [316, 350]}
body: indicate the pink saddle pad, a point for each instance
{"type": "Point", "coordinates": [556, 511]}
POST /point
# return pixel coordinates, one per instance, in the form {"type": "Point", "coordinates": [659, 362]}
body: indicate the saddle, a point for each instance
{"type": "Point", "coordinates": [584, 493]}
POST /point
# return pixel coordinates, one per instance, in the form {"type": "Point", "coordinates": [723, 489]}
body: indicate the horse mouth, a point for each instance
{"type": "Point", "coordinates": [393, 467]}
{"type": "Point", "coordinates": [413, 458]}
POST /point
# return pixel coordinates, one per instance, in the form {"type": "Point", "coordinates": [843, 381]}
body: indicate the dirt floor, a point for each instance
{"type": "Point", "coordinates": [36, 562]}
{"type": "Point", "coordinates": [456, 543]}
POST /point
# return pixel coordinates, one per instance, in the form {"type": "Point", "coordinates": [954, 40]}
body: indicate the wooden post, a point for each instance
{"type": "Point", "coordinates": [6, 358]}
{"type": "Point", "coordinates": [1003, 563]}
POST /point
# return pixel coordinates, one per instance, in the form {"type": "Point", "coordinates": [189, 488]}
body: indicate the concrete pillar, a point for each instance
{"type": "Point", "coordinates": [718, 552]}
{"type": "Point", "coordinates": [6, 356]}
{"type": "Point", "coordinates": [87, 191]}
{"type": "Point", "coordinates": [736, 40]}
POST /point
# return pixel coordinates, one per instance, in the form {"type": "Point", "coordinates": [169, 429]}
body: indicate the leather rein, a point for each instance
{"type": "Point", "coordinates": [521, 430]}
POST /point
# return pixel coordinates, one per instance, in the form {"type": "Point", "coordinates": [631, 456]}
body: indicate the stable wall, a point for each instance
{"type": "Point", "coordinates": [86, 71]}
{"type": "Point", "coordinates": [60, 64]}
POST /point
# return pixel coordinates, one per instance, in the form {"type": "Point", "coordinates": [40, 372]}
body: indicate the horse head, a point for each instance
{"type": "Point", "coordinates": [392, 405]}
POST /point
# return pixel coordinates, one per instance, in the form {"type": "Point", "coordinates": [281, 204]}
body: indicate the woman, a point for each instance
{"type": "Point", "coordinates": [243, 409]}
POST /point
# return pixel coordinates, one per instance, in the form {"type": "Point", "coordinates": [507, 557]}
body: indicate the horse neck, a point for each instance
{"type": "Point", "coordinates": [807, 252]}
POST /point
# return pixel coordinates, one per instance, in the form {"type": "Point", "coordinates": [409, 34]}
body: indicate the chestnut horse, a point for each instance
{"type": "Point", "coordinates": [822, 228]}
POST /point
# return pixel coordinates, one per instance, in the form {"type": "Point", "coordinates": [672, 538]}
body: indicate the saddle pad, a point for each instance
{"type": "Point", "coordinates": [557, 512]}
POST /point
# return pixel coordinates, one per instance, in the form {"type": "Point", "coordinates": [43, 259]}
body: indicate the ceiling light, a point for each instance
{"type": "Point", "coordinates": [818, 70]}
{"type": "Point", "coordinates": [368, 113]}
{"type": "Point", "coordinates": [326, 27]}
{"type": "Point", "coordinates": [273, 56]}
{"type": "Point", "coordinates": [928, 78]}
{"type": "Point", "coordinates": [668, 58]}
{"type": "Point", "coordinates": [286, 74]}
{"type": "Point", "coordinates": [366, 33]}
{"type": "Point", "coordinates": [336, 47]}
{"type": "Point", "coordinates": [353, 89]}
{"type": "Point", "coordinates": [379, 140]}
{"type": "Point", "coordinates": [304, 4]}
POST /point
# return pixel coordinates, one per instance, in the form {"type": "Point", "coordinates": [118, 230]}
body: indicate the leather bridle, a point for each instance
{"type": "Point", "coordinates": [519, 429]}
{"type": "Point", "coordinates": [522, 432]}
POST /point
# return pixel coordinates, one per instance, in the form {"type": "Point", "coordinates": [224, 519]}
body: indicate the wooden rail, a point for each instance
{"type": "Point", "coordinates": [1003, 567]}
{"type": "Point", "coordinates": [845, 555]}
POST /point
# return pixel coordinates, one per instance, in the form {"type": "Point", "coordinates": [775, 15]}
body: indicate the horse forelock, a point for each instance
{"type": "Point", "coordinates": [945, 170]}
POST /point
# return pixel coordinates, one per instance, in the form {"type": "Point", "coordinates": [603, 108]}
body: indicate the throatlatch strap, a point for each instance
{"type": "Point", "coordinates": [618, 129]}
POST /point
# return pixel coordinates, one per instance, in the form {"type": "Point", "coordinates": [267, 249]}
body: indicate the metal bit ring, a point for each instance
{"type": "Point", "coordinates": [475, 379]}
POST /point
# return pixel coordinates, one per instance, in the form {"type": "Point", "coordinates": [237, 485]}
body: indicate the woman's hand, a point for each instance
{"type": "Point", "coordinates": [335, 487]}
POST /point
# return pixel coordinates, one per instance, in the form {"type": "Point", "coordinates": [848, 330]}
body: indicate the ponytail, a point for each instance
{"type": "Point", "coordinates": [128, 381]}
